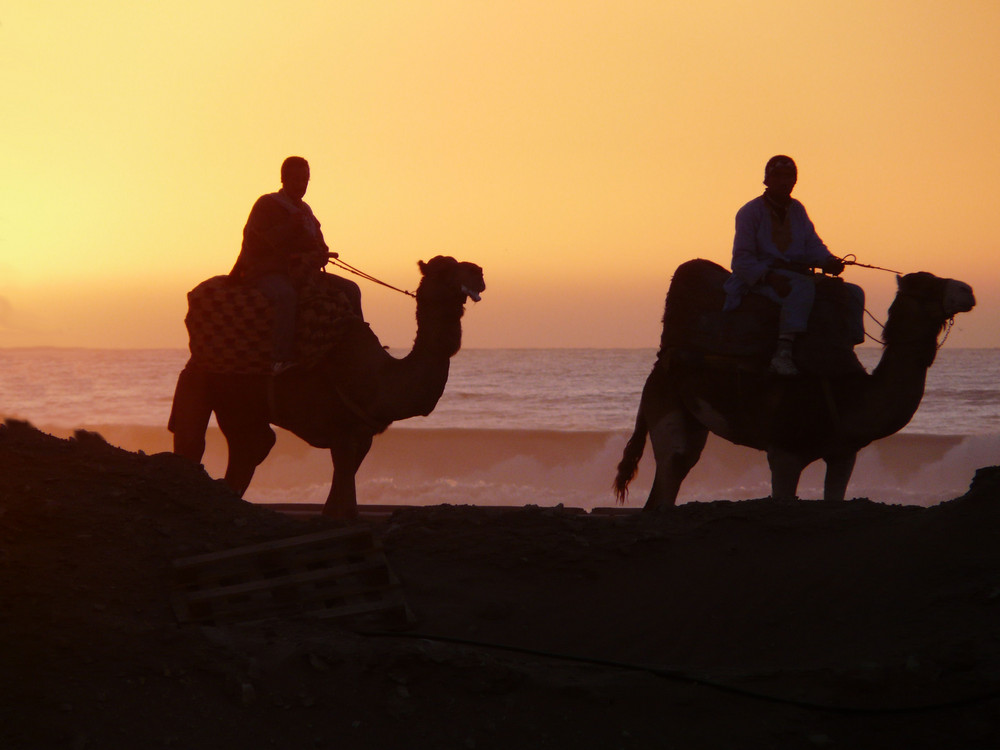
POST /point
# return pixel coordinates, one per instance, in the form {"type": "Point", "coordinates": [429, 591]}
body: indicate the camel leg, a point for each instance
{"type": "Point", "coordinates": [677, 440]}
{"type": "Point", "coordinates": [189, 415]}
{"type": "Point", "coordinates": [342, 502]}
{"type": "Point", "coordinates": [786, 468]}
{"type": "Point", "coordinates": [838, 474]}
{"type": "Point", "coordinates": [249, 443]}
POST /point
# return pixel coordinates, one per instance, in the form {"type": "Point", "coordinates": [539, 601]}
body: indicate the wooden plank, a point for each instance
{"type": "Point", "coordinates": [333, 574]}
{"type": "Point", "coordinates": [293, 580]}
{"type": "Point", "coordinates": [270, 604]}
{"type": "Point", "coordinates": [335, 536]}
{"type": "Point", "coordinates": [397, 610]}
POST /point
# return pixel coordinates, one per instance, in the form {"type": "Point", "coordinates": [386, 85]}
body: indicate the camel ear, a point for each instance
{"type": "Point", "coordinates": [421, 265]}
{"type": "Point", "coordinates": [899, 281]}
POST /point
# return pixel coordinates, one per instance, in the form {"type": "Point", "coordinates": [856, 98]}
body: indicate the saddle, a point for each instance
{"type": "Point", "coordinates": [696, 329]}
{"type": "Point", "coordinates": [229, 324]}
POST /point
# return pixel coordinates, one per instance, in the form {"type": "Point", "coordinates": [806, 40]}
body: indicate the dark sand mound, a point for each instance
{"type": "Point", "coordinates": [743, 625]}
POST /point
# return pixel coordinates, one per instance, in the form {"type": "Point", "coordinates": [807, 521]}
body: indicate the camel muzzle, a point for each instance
{"type": "Point", "coordinates": [958, 298]}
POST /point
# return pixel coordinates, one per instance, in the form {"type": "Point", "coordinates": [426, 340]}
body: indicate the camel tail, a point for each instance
{"type": "Point", "coordinates": [629, 464]}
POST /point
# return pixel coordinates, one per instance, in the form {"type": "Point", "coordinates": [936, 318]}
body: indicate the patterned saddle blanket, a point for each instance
{"type": "Point", "coordinates": [229, 324]}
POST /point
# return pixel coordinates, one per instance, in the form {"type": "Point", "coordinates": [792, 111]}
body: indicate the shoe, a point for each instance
{"type": "Point", "coordinates": [280, 367]}
{"type": "Point", "coordinates": [782, 364]}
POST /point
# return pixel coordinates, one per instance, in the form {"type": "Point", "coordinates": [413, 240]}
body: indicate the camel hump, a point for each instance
{"type": "Point", "coordinates": [229, 324]}
{"type": "Point", "coordinates": [693, 318]}
{"type": "Point", "coordinates": [694, 322]}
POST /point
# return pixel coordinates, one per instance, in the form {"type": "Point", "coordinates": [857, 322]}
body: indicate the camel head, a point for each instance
{"type": "Point", "coordinates": [923, 306]}
{"type": "Point", "coordinates": [953, 296]}
{"type": "Point", "coordinates": [958, 297]}
{"type": "Point", "coordinates": [445, 278]}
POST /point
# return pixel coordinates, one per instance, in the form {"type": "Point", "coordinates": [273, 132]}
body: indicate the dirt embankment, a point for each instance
{"type": "Point", "coordinates": [743, 625]}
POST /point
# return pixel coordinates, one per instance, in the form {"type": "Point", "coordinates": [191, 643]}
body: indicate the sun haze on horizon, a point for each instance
{"type": "Point", "coordinates": [577, 151]}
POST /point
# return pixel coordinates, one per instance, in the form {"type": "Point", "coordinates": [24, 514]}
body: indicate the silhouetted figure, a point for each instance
{"type": "Point", "coordinates": [774, 251]}
{"type": "Point", "coordinates": [282, 246]}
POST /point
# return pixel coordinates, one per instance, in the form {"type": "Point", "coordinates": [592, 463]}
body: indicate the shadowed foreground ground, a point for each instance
{"type": "Point", "coordinates": [717, 625]}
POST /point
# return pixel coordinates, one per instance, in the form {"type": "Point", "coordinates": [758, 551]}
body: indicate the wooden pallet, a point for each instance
{"type": "Point", "coordinates": [339, 575]}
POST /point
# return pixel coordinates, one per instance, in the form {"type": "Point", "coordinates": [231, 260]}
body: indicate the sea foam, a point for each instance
{"type": "Point", "coordinates": [547, 468]}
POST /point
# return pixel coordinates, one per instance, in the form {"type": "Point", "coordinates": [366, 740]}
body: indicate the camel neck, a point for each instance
{"type": "Point", "coordinates": [898, 384]}
{"type": "Point", "coordinates": [439, 331]}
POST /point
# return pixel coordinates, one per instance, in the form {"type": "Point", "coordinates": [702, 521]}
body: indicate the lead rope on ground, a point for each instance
{"type": "Point", "coordinates": [334, 258]}
{"type": "Point", "coordinates": [680, 676]}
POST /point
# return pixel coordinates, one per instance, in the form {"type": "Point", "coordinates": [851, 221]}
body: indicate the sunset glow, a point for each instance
{"type": "Point", "coordinates": [577, 150]}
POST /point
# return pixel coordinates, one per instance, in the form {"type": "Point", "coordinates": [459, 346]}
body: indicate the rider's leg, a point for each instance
{"type": "Point", "coordinates": [281, 294]}
{"type": "Point", "coordinates": [793, 318]}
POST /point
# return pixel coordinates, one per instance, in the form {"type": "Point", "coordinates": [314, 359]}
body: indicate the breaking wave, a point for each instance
{"type": "Point", "coordinates": [547, 468]}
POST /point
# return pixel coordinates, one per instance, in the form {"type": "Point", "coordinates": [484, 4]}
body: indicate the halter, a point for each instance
{"type": "Point", "coordinates": [945, 324]}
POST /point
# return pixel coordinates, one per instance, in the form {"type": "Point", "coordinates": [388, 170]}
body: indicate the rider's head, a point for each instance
{"type": "Point", "coordinates": [780, 175]}
{"type": "Point", "coordinates": [295, 176]}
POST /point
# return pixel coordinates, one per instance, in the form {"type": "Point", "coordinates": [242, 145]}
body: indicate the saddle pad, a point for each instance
{"type": "Point", "coordinates": [693, 321]}
{"type": "Point", "coordinates": [229, 325]}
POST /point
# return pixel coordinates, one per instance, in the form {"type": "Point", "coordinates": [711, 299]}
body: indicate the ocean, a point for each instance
{"type": "Point", "coordinates": [515, 427]}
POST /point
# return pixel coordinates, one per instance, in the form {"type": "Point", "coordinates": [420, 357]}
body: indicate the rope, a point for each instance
{"type": "Point", "coordinates": [879, 323]}
{"type": "Point", "coordinates": [949, 324]}
{"type": "Point", "coordinates": [335, 259]}
{"type": "Point", "coordinates": [852, 260]}
{"type": "Point", "coordinates": [680, 676]}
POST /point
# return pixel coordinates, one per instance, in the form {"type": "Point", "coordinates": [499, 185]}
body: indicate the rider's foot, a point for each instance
{"type": "Point", "coordinates": [783, 364]}
{"type": "Point", "coordinates": [280, 367]}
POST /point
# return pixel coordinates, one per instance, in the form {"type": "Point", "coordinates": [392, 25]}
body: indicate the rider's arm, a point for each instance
{"type": "Point", "coordinates": [750, 263]}
{"type": "Point", "coordinates": [263, 249]}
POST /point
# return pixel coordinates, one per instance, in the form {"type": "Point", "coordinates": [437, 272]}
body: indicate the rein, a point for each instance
{"type": "Point", "coordinates": [335, 259]}
{"type": "Point", "coordinates": [852, 260]}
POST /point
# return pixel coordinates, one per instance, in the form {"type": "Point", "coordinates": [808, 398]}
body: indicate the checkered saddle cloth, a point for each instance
{"type": "Point", "coordinates": [229, 324]}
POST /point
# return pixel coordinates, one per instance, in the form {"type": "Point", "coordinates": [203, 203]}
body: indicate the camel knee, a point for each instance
{"type": "Point", "coordinates": [248, 447]}
{"type": "Point", "coordinates": [257, 447]}
{"type": "Point", "coordinates": [244, 458]}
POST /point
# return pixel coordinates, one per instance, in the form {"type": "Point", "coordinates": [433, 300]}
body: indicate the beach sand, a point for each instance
{"type": "Point", "coordinates": [750, 624]}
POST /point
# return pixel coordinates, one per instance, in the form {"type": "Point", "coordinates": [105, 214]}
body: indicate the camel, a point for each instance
{"type": "Point", "coordinates": [794, 420]}
{"type": "Point", "coordinates": [354, 393]}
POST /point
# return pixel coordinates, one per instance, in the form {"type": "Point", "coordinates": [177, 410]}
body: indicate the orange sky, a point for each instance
{"type": "Point", "coordinates": [577, 150]}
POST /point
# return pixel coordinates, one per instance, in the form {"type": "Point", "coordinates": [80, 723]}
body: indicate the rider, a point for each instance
{"type": "Point", "coordinates": [282, 246]}
{"type": "Point", "coordinates": [774, 251]}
